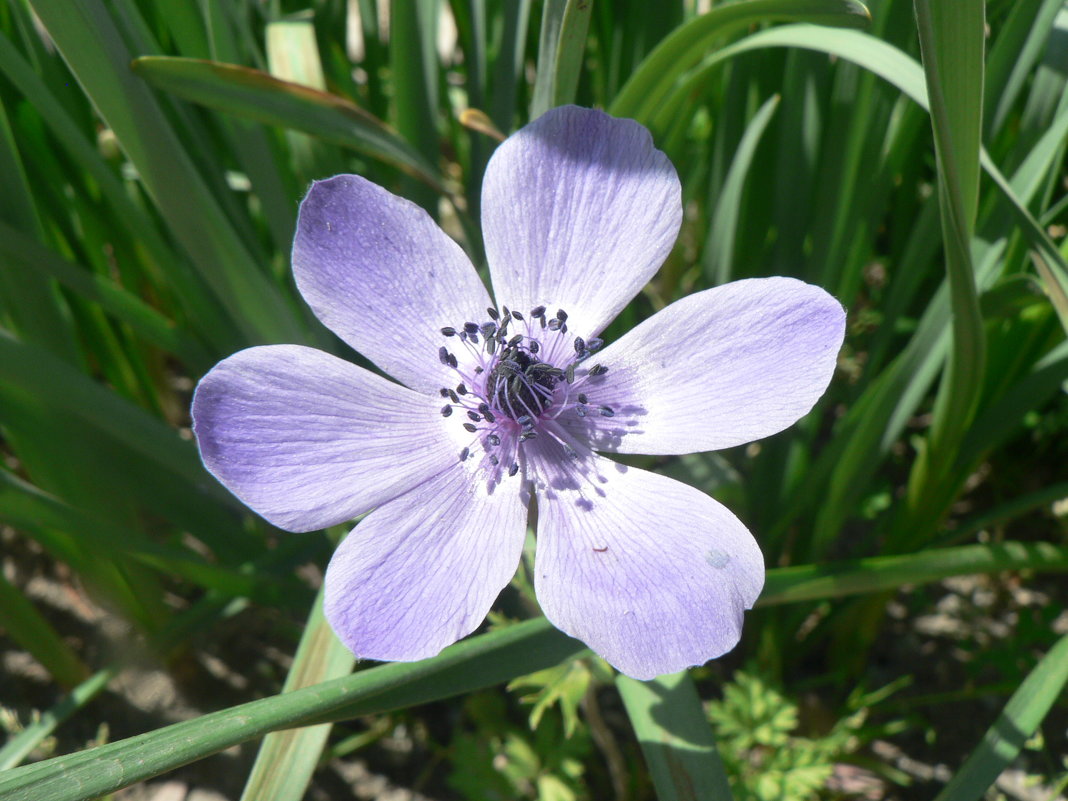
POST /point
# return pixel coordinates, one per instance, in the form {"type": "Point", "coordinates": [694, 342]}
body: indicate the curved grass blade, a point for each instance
{"type": "Point", "coordinates": [1021, 716]}
{"type": "Point", "coordinates": [476, 663]}
{"type": "Point", "coordinates": [561, 47]}
{"type": "Point", "coordinates": [287, 759]}
{"type": "Point", "coordinates": [719, 249]}
{"type": "Point", "coordinates": [951, 44]}
{"type": "Point", "coordinates": [255, 95]}
{"type": "Point", "coordinates": [654, 79]}
{"type": "Point", "coordinates": [18, 747]}
{"type": "Point", "coordinates": [116, 301]}
{"type": "Point", "coordinates": [875, 574]}
{"type": "Point", "coordinates": [87, 35]}
{"type": "Point", "coordinates": [675, 737]}
{"type": "Point", "coordinates": [31, 630]}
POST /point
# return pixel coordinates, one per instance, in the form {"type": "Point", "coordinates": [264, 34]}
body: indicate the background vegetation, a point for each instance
{"type": "Point", "coordinates": [908, 157]}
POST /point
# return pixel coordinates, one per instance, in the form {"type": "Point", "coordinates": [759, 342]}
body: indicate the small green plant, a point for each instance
{"type": "Point", "coordinates": [766, 759]}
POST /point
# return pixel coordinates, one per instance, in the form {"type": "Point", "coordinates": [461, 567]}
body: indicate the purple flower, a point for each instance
{"type": "Point", "coordinates": [501, 403]}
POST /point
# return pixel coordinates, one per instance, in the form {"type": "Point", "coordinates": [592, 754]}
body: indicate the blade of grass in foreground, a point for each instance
{"type": "Point", "coordinates": [472, 664]}
{"type": "Point", "coordinates": [561, 46]}
{"type": "Point", "coordinates": [287, 759]}
{"type": "Point", "coordinates": [675, 738]}
{"type": "Point", "coordinates": [1019, 719]}
{"type": "Point", "coordinates": [255, 95]}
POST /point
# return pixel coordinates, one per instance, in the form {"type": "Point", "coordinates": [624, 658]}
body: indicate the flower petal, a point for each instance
{"type": "Point", "coordinates": [422, 571]}
{"type": "Point", "coordinates": [308, 440]}
{"type": "Point", "coordinates": [380, 274]}
{"type": "Point", "coordinates": [718, 368]}
{"type": "Point", "coordinates": [579, 210]}
{"type": "Point", "coordinates": [649, 572]}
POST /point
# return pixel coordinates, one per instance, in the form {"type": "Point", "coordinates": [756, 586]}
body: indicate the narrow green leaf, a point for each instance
{"type": "Point", "coordinates": [124, 306]}
{"type": "Point", "coordinates": [18, 747]}
{"type": "Point", "coordinates": [1021, 716]}
{"type": "Point", "coordinates": [878, 573]}
{"type": "Point", "coordinates": [29, 628]}
{"type": "Point", "coordinates": [471, 665]}
{"type": "Point", "coordinates": [287, 759]}
{"type": "Point", "coordinates": [675, 737]}
{"type": "Point", "coordinates": [255, 95]}
{"type": "Point", "coordinates": [719, 249]}
{"type": "Point", "coordinates": [951, 43]}
{"type": "Point", "coordinates": [652, 81]}
{"type": "Point", "coordinates": [94, 48]}
{"type": "Point", "coordinates": [561, 49]}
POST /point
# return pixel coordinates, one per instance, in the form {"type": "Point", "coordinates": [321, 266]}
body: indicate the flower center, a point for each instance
{"type": "Point", "coordinates": [519, 374]}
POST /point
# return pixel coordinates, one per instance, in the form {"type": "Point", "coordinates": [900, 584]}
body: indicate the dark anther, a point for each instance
{"type": "Point", "coordinates": [493, 440]}
{"type": "Point", "coordinates": [534, 346]}
{"type": "Point", "coordinates": [454, 397]}
{"type": "Point", "coordinates": [513, 469]}
{"type": "Point", "coordinates": [569, 374]}
{"type": "Point", "coordinates": [515, 340]}
{"type": "Point", "coordinates": [594, 344]}
{"type": "Point", "coordinates": [491, 345]}
{"type": "Point", "coordinates": [464, 454]}
{"type": "Point", "coordinates": [563, 328]}
{"type": "Point", "coordinates": [461, 388]}
{"type": "Point", "coordinates": [606, 411]}
{"type": "Point", "coordinates": [561, 315]}
{"type": "Point", "coordinates": [493, 313]}
{"type": "Point", "coordinates": [537, 311]}
{"type": "Point", "coordinates": [479, 371]}
{"type": "Point", "coordinates": [452, 361]}
{"type": "Point", "coordinates": [488, 329]}
{"type": "Point", "coordinates": [444, 392]}
{"type": "Point", "coordinates": [524, 420]}
{"type": "Point", "coordinates": [504, 310]}
{"type": "Point", "coordinates": [446, 411]}
{"type": "Point", "coordinates": [580, 345]}
{"type": "Point", "coordinates": [483, 407]}
{"type": "Point", "coordinates": [475, 416]}
{"type": "Point", "coordinates": [598, 369]}
{"type": "Point", "coordinates": [443, 355]}
{"type": "Point", "coordinates": [471, 427]}
{"type": "Point", "coordinates": [554, 324]}
{"type": "Point", "coordinates": [448, 331]}
{"type": "Point", "coordinates": [494, 460]}
{"type": "Point", "coordinates": [490, 418]}
{"type": "Point", "coordinates": [517, 316]}
{"type": "Point", "coordinates": [583, 398]}
{"type": "Point", "coordinates": [471, 328]}
{"type": "Point", "coordinates": [473, 338]}
{"type": "Point", "coordinates": [530, 434]}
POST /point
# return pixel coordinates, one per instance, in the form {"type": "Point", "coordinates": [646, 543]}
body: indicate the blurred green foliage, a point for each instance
{"type": "Point", "coordinates": [145, 226]}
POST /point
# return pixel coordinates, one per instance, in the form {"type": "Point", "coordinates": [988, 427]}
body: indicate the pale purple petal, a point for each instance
{"type": "Point", "coordinates": [651, 573]}
{"type": "Point", "coordinates": [422, 571]}
{"type": "Point", "coordinates": [308, 440]}
{"type": "Point", "coordinates": [380, 274]}
{"type": "Point", "coordinates": [718, 368]}
{"type": "Point", "coordinates": [579, 210]}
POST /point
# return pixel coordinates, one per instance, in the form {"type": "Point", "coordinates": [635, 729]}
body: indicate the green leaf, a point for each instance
{"type": "Point", "coordinates": [476, 663]}
{"type": "Point", "coordinates": [94, 48]}
{"type": "Point", "coordinates": [287, 759]}
{"type": "Point", "coordinates": [878, 573]}
{"type": "Point", "coordinates": [675, 737]}
{"type": "Point", "coordinates": [255, 95]}
{"type": "Point", "coordinates": [647, 89]}
{"type": "Point", "coordinates": [561, 48]}
{"type": "Point", "coordinates": [1021, 716]}
{"type": "Point", "coordinates": [31, 630]}
{"type": "Point", "coordinates": [719, 249]}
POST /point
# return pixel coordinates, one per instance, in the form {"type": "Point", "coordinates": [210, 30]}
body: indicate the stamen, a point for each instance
{"type": "Point", "coordinates": [448, 331]}
{"type": "Point", "coordinates": [493, 313]}
{"type": "Point", "coordinates": [513, 469]}
{"type": "Point", "coordinates": [464, 454]}
{"type": "Point", "coordinates": [475, 416]}
{"type": "Point", "coordinates": [598, 369]}
{"type": "Point", "coordinates": [606, 411]}
{"type": "Point", "coordinates": [446, 411]}
{"type": "Point", "coordinates": [471, 427]}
